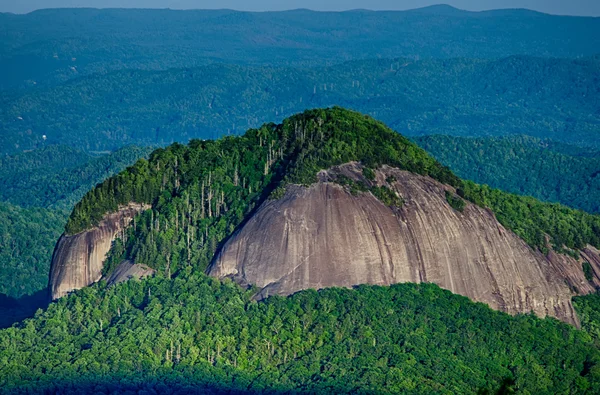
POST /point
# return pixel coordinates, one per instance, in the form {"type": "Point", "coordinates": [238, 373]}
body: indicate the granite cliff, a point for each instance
{"type": "Point", "coordinates": [330, 198]}
{"type": "Point", "coordinates": [324, 236]}
{"type": "Point", "coordinates": [78, 259]}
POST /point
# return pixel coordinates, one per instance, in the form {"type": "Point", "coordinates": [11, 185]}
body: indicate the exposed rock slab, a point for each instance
{"type": "Point", "coordinates": [128, 270]}
{"type": "Point", "coordinates": [78, 259]}
{"type": "Point", "coordinates": [323, 236]}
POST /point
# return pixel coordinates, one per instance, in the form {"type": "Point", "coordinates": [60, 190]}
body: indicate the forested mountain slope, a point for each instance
{"type": "Point", "coordinates": [524, 165]}
{"type": "Point", "coordinates": [50, 46]}
{"type": "Point", "coordinates": [548, 98]}
{"type": "Point", "coordinates": [195, 333]}
{"type": "Point", "coordinates": [27, 239]}
{"type": "Point", "coordinates": [205, 192]}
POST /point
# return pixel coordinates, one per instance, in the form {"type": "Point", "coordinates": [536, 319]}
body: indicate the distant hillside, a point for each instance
{"type": "Point", "coordinates": [548, 98]}
{"type": "Point", "coordinates": [58, 176]}
{"type": "Point", "coordinates": [50, 46]}
{"type": "Point", "coordinates": [27, 238]}
{"type": "Point", "coordinates": [543, 169]}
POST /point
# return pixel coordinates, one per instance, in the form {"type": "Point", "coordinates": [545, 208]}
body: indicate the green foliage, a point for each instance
{"type": "Point", "coordinates": [27, 238]}
{"type": "Point", "coordinates": [532, 220]}
{"type": "Point", "coordinates": [58, 176]}
{"type": "Point", "coordinates": [369, 174]}
{"type": "Point", "coordinates": [588, 310]}
{"type": "Point", "coordinates": [387, 196]}
{"type": "Point", "coordinates": [455, 201]}
{"type": "Point", "coordinates": [588, 271]}
{"type": "Point", "coordinates": [403, 338]}
{"type": "Point", "coordinates": [547, 170]}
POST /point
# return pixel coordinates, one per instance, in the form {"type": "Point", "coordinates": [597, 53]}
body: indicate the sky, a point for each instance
{"type": "Point", "coordinates": [562, 7]}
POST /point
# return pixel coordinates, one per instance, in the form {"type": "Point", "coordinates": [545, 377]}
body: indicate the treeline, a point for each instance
{"type": "Point", "coordinates": [161, 335]}
{"type": "Point", "coordinates": [543, 169]}
{"type": "Point", "coordinates": [459, 97]}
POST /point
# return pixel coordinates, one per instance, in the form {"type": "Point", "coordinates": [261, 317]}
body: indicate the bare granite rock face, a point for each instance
{"type": "Point", "coordinates": [128, 270]}
{"type": "Point", "coordinates": [324, 236]}
{"type": "Point", "coordinates": [78, 259]}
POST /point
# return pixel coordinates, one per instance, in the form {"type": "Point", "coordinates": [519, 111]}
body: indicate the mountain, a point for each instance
{"type": "Point", "coordinates": [547, 98]}
{"type": "Point", "coordinates": [56, 45]}
{"type": "Point", "coordinates": [355, 182]}
{"type": "Point", "coordinates": [544, 169]}
{"type": "Point", "coordinates": [329, 198]}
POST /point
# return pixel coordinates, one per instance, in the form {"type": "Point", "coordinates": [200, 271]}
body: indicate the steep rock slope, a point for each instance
{"type": "Point", "coordinates": [128, 270]}
{"type": "Point", "coordinates": [78, 259]}
{"type": "Point", "coordinates": [324, 236]}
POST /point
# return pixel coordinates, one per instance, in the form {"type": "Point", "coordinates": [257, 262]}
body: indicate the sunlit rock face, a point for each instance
{"type": "Point", "coordinates": [324, 236]}
{"type": "Point", "coordinates": [78, 259]}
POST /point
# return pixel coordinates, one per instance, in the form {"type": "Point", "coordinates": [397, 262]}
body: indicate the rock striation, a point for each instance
{"type": "Point", "coordinates": [324, 236]}
{"type": "Point", "coordinates": [78, 259]}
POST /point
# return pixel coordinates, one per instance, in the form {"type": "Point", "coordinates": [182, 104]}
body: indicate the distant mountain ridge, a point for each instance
{"type": "Point", "coordinates": [50, 46]}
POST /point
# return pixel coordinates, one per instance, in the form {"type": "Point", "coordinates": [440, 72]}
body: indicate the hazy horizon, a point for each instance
{"type": "Point", "coordinates": [559, 7]}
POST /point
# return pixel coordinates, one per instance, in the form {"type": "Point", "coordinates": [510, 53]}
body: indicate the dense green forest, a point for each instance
{"type": "Point", "coordinates": [50, 46]}
{"type": "Point", "coordinates": [37, 191]}
{"type": "Point", "coordinates": [548, 98]}
{"type": "Point", "coordinates": [27, 238]}
{"type": "Point", "coordinates": [524, 165]}
{"type": "Point", "coordinates": [195, 332]}
{"type": "Point", "coordinates": [201, 192]}
{"type": "Point", "coordinates": [58, 176]}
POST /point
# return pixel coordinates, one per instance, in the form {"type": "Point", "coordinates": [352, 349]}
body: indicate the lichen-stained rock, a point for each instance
{"type": "Point", "coordinates": [128, 270]}
{"type": "Point", "coordinates": [324, 236]}
{"type": "Point", "coordinates": [78, 259]}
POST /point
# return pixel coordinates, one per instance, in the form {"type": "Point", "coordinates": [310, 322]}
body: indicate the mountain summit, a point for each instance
{"type": "Point", "coordinates": [328, 198]}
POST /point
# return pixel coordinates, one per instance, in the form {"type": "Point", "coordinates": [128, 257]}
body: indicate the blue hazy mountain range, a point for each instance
{"type": "Point", "coordinates": [573, 7]}
{"type": "Point", "coordinates": [51, 46]}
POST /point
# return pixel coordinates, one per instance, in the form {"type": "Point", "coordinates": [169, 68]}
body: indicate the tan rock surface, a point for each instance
{"type": "Point", "coordinates": [323, 236]}
{"type": "Point", "coordinates": [128, 270]}
{"type": "Point", "coordinates": [78, 259]}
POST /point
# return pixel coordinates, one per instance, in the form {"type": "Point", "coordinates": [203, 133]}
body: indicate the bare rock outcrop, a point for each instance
{"type": "Point", "coordinates": [324, 236]}
{"type": "Point", "coordinates": [78, 259]}
{"type": "Point", "coordinates": [128, 270]}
